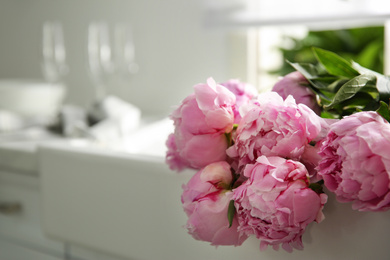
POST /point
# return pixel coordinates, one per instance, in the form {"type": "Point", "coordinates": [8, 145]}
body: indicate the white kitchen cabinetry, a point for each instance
{"type": "Point", "coordinates": [20, 223]}
{"type": "Point", "coordinates": [90, 203]}
{"type": "Point", "coordinates": [21, 233]}
{"type": "Point", "coordinates": [82, 253]}
{"type": "Point", "coordinates": [12, 251]}
{"type": "Point", "coordinates": [129, 205]}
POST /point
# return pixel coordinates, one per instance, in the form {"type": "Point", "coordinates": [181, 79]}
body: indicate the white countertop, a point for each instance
{"type": "Point", "coordinates": [18, 151]}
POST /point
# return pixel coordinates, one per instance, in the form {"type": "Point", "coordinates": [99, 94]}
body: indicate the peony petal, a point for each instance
{"type": "Point", "coordinates": [307, 204]}
{"type": "Point", "coordinates": [202, 150]}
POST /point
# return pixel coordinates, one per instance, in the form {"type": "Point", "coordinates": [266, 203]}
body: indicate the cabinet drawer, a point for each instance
{"type": "Point", "coordinates": [10, 251]}
{"type": "Point", "coordinates": [77, 253]}
{"type": "Point", "coordinates": [20, 207]}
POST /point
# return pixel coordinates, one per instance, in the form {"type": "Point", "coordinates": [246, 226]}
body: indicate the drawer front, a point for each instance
{"type": "Point", "coordinates": [10, 251]}
{"type": "Point", "coordinates": [20, 207]}
{"type": "Point", "coordinates": [81, 253]}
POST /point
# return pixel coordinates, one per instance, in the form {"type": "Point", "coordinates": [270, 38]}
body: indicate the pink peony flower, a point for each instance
{"type": "Point", "coordinates": [310, 157]}
{"type": "Point", "coordinates": [206, 200]}
{"type": "Point", "coordinates": [201, 122]}
{"type": "Point", "coordinates": [244, 92]}
{"type": "Point", "coordinates": [295, 84]}
{"type": "Point", "coordinates": [276, 204]}
{"type": "Point", "coordinates": [355, 162]}
{"type": "Point", "coordinates": [272, 126]}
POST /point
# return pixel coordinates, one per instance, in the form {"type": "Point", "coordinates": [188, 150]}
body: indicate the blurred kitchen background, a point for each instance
{"type": "Point", "coordinates": [176, 43]}
{"type": "Point", "coordinates": [173, 48]}
{"type": "Point", "coordinates": [121, 62]}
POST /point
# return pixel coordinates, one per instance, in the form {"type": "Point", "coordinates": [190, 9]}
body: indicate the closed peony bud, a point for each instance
{"type": "Point", "coordinates": [206, 201]}
{"type": "Point", "coordinates": [296, 85]}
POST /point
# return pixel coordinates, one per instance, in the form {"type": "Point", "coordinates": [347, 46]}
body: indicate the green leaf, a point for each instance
{"type": "Point", "coordinates": [317, 187]}
{"type": "Point", "coordinates": [308, 70]}
{"type": "Point", "coordinates": [361, 101]}
{"type": "Point", "coordinates": [382, 81]}
{"type": "Point", "coordinates": [335, 64]}
{"type": "Point", "coordinates": [364, 70]}
{"type": "Point", "coordinates": [383, 86]}
{"type": "Point", "coordinates": [324, 82]}
{"type": "Point", "coordinates": [229, 139]}
{"type": "Point", "coordinates": [384, 111]}
{"type": "Point", "coordinates": [231, 212]}
{"type": "Point", "coordinates": [336, 85]}
{"type": "Point", "coordinates": [367, 55]}
{"type": "Point", "coordinates": [366, 83]}
{"type": "Point", "coordinates": [327, 114]}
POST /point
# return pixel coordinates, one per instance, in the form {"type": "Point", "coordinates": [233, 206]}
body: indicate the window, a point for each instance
{"type": "Point", "coordinates": [267, 24]}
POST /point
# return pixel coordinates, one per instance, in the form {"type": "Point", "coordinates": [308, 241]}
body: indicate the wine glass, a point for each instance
{"type": "Point", "coordinates": [54, 65]}
{"type": "Point", "coordinates": [124, 51]}
{"type": "Point", "coordinates": [99, 57]}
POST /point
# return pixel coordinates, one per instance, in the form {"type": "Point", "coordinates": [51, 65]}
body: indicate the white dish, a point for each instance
{"type": "Point", "coordinates": [31, 98]}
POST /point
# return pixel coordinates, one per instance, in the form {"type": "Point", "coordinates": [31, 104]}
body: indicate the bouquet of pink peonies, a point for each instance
{"type": "Point", "coordinates": [263, 160]}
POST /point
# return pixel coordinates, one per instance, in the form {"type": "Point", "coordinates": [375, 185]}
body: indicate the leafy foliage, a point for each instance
{"type": "Point", "coordinates": [231, 212]}
{"type": "Point", "coordinates": [363, 45]}
{"type": "Point", "coordinates": [384, 111]}
{"type": "Point", "coordinates": [344, 87]}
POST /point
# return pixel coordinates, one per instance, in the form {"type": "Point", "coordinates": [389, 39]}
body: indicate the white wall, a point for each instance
{"type": "Point", "coordinates": [173, 48]}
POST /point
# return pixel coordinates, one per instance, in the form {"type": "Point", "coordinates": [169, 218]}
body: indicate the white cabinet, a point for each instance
{"type": "Point", "coordinates": [12, 251]}
{"type": "Point", "coordinates": [81, 253]}
{"type": "Point", "coordinates": [21, 224]}
{"type": "Point", "coordinates": [20, 220]}
{"type": "Point", "coordinates": [128, 205]}
{"type": "Point", "coordinates": [21, 235]}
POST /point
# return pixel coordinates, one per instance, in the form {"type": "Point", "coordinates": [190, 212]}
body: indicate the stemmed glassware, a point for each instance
{"type": "Point", "coordinates": [124, 59]}
{"type": "Point", "coordinates": [54, 64]}
{"type": "Point", "coordinates": [54, 69]}
{"type": "Point", "coordinates": [99, 57]}
{"type": "Point", "coordinates": [109, 55]}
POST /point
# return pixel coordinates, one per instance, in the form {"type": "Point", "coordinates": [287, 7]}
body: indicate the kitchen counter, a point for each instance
{"type": "Point", "coordinates": [121, 199]}
{"type": "Point", "coordinates": [19, 157]}
{"type": "Point", "coordinates": [18, 151]}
